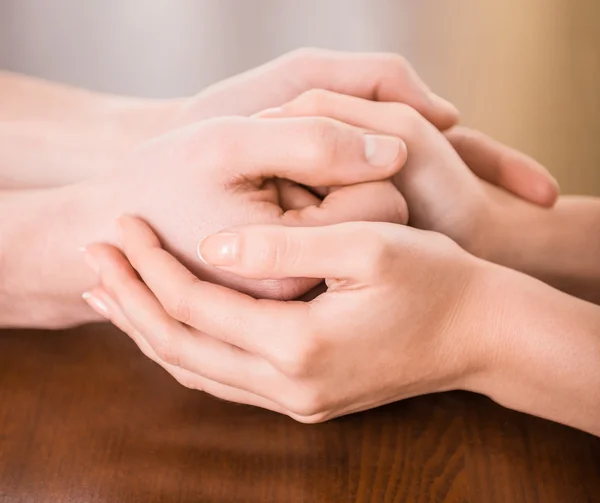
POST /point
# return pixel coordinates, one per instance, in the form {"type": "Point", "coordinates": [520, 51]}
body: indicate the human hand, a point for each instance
{"type": "Point", "coordinates": [79, 135]}
{"type": "Point", "coordinates": [373, 76]}
{"type": "Point", "coordinates": [442, 193]}
{"type": "Point", "coordinates": [402, 315]}
{"type": "Point", "coordinates": [504, 167]}
{"type": "Point", "coordinates": [221, 173]}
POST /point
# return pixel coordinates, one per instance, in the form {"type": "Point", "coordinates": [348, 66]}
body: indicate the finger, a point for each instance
{"type": "Point", "coordinates": [173, 342]}
{"type": "Point", "coordinates": [433, 166]}
{"type": "Point", "coordinates": [504, 166]}
{"type": "Point", "coordinates": [225, 314]}
{"type": "Point", "coordinates": [308, 150]}
{"type": "Point", "coordinates": [372, 76]}
{"type": "Point", "coordinates": [344, 251]}
{"type": "Point", "coordinates": [294, 197]}
{"type": "Point", "coordinates": [101, 302]}
{"type": "Point", "coordinates": [379, 202]}
{"type": "Point", "coordinates": [386, 77]}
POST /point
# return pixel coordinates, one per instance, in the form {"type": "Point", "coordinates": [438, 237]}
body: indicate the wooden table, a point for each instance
{"type": "Point", "coordinates": [84, 417]}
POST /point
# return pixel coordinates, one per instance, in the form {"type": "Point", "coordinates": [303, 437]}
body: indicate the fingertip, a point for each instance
{"type": "Point", "coordinates": [402, 155]}
{"type": "Point", "coordinates": [220, 250]}
{"type": "Point", "coordinates": [199, 251]}
{"type": "Point", "coordinates": [94, 299]}
{"type": "Point", "coordinates": [446, 115]}
{"type": "Point", "coordinates": [385, 151]}
{"type": "Point", "coordinates": [546, 192]}
{"type": "Point", "coordinates": [96, 253]}
{"type": "Point", "coordinates": [134, 231]}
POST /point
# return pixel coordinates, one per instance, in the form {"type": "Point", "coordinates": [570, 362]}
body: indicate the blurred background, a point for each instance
{"type": "Point", "coordinates": [525, 71]}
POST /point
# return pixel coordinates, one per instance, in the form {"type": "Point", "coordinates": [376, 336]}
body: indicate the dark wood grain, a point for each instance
{"type": "Point", "coordinates": [84, 417]}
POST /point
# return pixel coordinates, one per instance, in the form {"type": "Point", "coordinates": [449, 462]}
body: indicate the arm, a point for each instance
{"type": "Point", "coordinates": [51, 134]}
{"type": "Point", "coordinates": [406, 313]}
{"type": "Point", "coordinates": [560, 245]}
{"type": "Point", "coordinates": [190, 183]}
{"type": "Point", "coordinates": [41, 270]}
{"type": "Point", "coordinates": [547, 359]}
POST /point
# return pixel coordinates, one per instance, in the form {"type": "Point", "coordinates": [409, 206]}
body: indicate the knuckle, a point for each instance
{"type": "Point", "coordinates": [411, 125]}
{"type": "Point", "coordinates": [320, 417]}
{"type": "Point", "coordinates": [166, 349]}
{"type": "Point", "coordinates": [187, 381]}
{"type": "Point", "coordinates": [306, 403]}
{"type": "Point", "coordinates": [406, 113]}
{"type": "Point", "coordinates": [180, 309]}
{"type": "Point", "coordinates": [218, 141]}
{"type": "Point", "coordinates": [303, 56]}
{"type": "Point", "coordinates": [300, 359]}
{"type": "Point", "coordinates": [324, 139]}
{"type": "Point", "coordinates": [379, 251]}
{"type": "Point", "coordinates": [270, 252]}
{"type": "Point", "coordinates": [393, 66]}
{"type": "Point", "coordinates": [398, 208]}
{"type": "Point", "coordinates": [400, 211]}
{"type": "Point", "coordinates": [299, 66]}
{"type": "Point", "coordinates": [315, 101]}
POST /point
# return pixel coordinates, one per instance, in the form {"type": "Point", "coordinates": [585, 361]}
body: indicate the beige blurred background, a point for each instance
{"type": "Point", "coordinates": [525, 71]}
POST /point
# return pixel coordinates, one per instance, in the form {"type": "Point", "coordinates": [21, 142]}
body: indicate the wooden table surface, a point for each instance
{"type": "Point", "coordinates": [84, 417]}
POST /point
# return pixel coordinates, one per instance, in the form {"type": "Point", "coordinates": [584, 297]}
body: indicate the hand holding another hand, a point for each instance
{"type": "Point", "coordinates": [443, 194]}
{"type": "Point", "coordinates": [396, 321]}
{"type": "Point", "coordinates": [222, 173]}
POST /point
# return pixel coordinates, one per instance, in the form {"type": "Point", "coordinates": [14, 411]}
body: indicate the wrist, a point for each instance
{"type": "Point", "coordinates": [43, 273]}
{"type": "Point", "coordinates": [541, 350]}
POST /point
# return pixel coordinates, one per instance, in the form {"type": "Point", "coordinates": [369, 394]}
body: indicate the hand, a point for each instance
{"type": "Point", "coordinates": [407, 312]}
{"type": "Point", "coordinates": [372, 76]}
{"type": "Point", "coordinates": [221, 173]}
{"type": "Point", "coordinates": [504, 167]}
{"type": "Point", "coordinates": [79, 135]}
{"type": "Point", "coordinates": [442, 193]}
{"type": "Point", "coordinates": [398, 319]}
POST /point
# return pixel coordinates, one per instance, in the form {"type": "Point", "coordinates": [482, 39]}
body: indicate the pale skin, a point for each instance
{"type": "Point", "coordinates": [406, 311]}
{"type": "Point", "coordinates": [453, 308]}
{"type": "Point", "coordinates": [72, 161]}
{"type": "Point", "coordinates": [559, 245]}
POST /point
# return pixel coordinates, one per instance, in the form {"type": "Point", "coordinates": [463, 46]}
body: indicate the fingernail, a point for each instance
{"type": "Point", "coordinates": [381, 150]}
{"type": "Point", "coordinates": [91, 262]}
{"type": "Point", "coordinates": [219, 249]}
{"type": "Point", "coordinates": [96, 304]}
{"type": "Point", "coordinates": [269, 112]}
{"type": "Point", "coordinates": [439, 102]}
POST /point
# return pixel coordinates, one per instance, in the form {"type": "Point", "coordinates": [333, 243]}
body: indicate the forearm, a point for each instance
{"type": "Point", "coordinates": [559, 245]}
{"type": "Point", "coordinates": [544, 358]}
{"type": "Point", "coordinates": [42, 274]}
{"type": "Point", "coordinates": [24, 98]}
{"type": "Point", "coordinates": [52, 134]}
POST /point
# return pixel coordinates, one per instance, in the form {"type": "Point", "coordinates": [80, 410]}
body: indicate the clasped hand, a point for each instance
{"type": "Point", "coordinates": [397, 317]}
